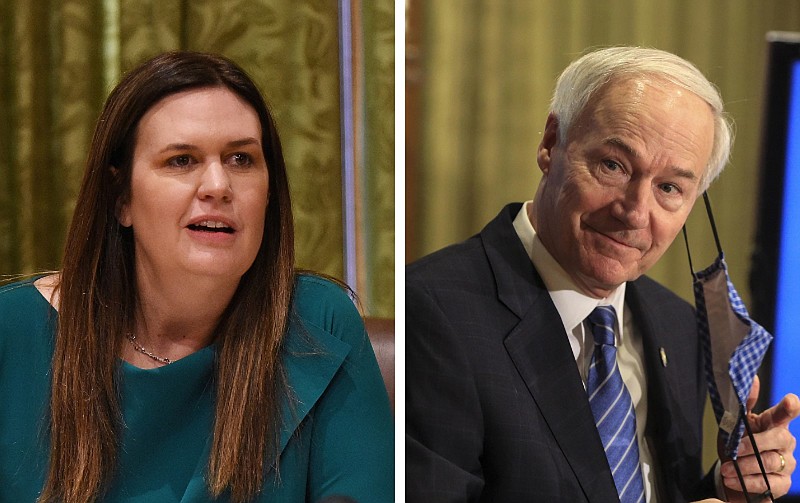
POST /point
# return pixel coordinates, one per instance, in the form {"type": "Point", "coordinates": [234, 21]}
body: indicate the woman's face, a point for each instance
{"type": "Point", "coordinates": [199, 186]}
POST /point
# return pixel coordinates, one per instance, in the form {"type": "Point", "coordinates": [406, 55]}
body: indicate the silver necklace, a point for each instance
{"type": "Point", "coordinates": [138, 347]}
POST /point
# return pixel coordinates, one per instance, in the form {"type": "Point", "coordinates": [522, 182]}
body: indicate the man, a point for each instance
{"type": "Point", "coordinates": [506, 369]}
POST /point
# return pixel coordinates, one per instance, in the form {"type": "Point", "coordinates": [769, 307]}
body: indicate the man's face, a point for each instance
{"type": "Point", "coordinates": [615, 194]}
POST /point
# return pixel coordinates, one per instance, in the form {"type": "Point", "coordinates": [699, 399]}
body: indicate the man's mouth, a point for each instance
{"type": "Point", "coordinates": [620, 240]}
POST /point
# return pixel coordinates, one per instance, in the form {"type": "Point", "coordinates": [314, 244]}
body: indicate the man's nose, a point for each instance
{"type": "Point", "coordinates": [633, 207]}
{"type": "Point", "coordinates": [215, 182]}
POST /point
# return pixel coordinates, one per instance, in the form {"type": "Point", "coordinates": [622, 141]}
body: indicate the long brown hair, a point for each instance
{"type": "Point", "coordinates": [98, 298]}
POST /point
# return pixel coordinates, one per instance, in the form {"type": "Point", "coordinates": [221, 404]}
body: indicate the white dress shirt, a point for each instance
{"type": "Point", "coordinates": [573, 307]}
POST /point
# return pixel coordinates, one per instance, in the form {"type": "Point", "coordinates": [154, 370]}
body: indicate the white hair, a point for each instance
{"type": "Point", "coordinates": [586, 75]}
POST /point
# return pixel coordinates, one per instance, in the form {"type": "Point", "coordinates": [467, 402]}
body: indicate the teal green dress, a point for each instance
{"type": "Point", "coordinates": [337, 441]}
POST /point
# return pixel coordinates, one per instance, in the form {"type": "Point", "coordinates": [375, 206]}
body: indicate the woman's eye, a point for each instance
{"type": "Point", "coordinates": [180, 161]}
{"type": "Point", "coordinates": [241, 159]}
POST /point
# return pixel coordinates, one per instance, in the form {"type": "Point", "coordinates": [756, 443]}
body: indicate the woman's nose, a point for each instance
{"type": "Point", "coordinates": [215, 183]}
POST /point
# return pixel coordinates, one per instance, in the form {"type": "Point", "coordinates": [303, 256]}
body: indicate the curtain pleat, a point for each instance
{"type": "Point", "coordinates": [377, 169]}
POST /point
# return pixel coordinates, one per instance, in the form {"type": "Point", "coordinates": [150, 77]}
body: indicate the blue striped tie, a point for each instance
{"type": "Point", "coordinates": [612, 408]}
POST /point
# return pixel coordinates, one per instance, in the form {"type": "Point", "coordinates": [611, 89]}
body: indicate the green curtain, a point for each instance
{"type": "Point", "coordinates": [60, 59]}
{"type": "Point", "coordinates": [484, 74]}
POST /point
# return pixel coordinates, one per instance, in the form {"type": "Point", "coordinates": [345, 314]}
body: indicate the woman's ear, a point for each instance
{"type": "Point", "coordinates": [123, 215]}
{"type": "Point", "coordinates": [122, 206]}
{"type": "Point", "coordinates": [549, 140]}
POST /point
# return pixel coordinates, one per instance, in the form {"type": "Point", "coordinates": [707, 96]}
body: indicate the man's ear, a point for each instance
{"type": "Point", "coordinates": [549, 140]}
{"type": "Point", "coordinates": [122, 206]}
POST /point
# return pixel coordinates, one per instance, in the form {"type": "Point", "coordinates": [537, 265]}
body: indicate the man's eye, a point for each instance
{"type": "Point", "coordinates": [668, 188]}
{"type": "Point", "coordinates": [612, 165]}
{"type": "Point", "coordinates": [180, 161]}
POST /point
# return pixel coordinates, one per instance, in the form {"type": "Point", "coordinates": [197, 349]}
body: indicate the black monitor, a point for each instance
{"type": "Point", "coordinates": [775, 273]}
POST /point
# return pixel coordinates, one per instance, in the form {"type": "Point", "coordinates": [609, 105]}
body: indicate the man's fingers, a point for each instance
{"type": "Point", "coordinates": [779, 479]}
{"type": "Point", "coordinates": [753, 397]}
{"type": "Point", "coordinates": [778, 464]}
{"type": "Point", "coordinates": [774, 462]}
{"type": "Point", "coordinates": [775, 439]}
{"type": "Point", "coordinates": [778, 416]}
{"type": "Point", "coordinates": [779, 484]}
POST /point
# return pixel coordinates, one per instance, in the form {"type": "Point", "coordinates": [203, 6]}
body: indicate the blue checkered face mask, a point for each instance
{"type": "Point", "coordinates": [733, 344]}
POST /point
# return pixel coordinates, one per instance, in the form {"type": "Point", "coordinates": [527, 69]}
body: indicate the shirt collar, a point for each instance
{"type": "Point", "coordinates": [573, 306]}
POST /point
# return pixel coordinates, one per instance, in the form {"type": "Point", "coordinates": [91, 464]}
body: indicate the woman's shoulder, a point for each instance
{"type": "Point", "coordinates": [20, 294]}
{"type": "Point", "coordinates": [23, 310]}
{"type": "Point", "coordinates": [314, 292]}
{"type": "Point", "coordinates": [322, 302]}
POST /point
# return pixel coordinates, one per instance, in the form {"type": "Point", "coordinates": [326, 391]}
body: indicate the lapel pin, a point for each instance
{"type": "Point", "coordinates": [663, 354]}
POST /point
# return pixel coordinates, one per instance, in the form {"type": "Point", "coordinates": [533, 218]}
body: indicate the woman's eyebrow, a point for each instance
{"type": "Point", "coordinates": [188, 146]}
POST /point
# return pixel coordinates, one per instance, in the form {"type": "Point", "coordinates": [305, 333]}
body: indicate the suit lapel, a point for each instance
{"type": "Point", "coordinates": [541, 354]}
{"type": "Point", "coordinates": [658, 395]}
{"type": "Point", "coordinates": [664, 425]}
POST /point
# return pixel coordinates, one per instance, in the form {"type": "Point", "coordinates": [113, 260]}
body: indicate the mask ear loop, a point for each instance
{"type": "Point", "coordinates": [768, 492]}
{"type": "Point", "coordinates": [707, 201]}
{"type": "Point", "coordinates": [688, 252]}
{"type": "Point", "coordinates": [710, 214]}
{"type": "Point", "coordinates": [742, 411]}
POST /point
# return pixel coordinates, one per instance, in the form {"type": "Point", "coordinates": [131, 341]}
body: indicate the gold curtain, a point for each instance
{"type": "Point", "coordinates": [59, 59]}
{"type": "Point", "coordinates": [375, 165]}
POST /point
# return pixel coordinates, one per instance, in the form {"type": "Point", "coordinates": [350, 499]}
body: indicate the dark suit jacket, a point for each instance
{"type": "Point", "coordinates": [495, 406]}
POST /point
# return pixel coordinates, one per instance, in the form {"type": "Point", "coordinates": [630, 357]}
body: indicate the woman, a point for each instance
{"type": "Point", "coordinates": [178, 356]}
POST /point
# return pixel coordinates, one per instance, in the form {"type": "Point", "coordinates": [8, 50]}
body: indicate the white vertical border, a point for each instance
{"type": "Point", "coordinates": [348, 144]}
{"type": "Point", "coordinates": [400, 7]}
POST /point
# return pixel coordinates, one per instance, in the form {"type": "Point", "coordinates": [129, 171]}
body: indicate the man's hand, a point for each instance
{"type": "Point", "coordinates": [775, 444]}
